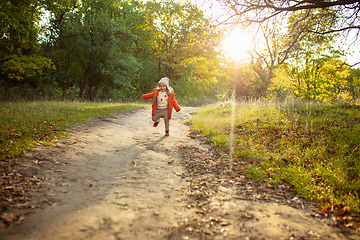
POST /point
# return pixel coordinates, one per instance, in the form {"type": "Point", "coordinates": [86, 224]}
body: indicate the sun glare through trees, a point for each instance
{"type": "Point", "coordinates": [237, 45]}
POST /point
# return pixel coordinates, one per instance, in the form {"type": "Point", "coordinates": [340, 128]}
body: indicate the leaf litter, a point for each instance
{"type": "Point", "coordinates": [215, 181]}
{"type": "Point", "coordinates": [14, 194]}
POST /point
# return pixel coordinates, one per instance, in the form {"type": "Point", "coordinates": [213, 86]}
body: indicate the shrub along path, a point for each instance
{"type": "Point", "coordinates": [120, 178]}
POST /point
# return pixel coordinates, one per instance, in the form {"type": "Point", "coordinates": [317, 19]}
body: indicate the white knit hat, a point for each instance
{"type": "Point", "coordinates": [165, 81]}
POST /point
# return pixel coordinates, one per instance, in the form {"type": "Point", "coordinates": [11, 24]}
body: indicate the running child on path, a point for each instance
{"type": "Point", "coordinates": [163, 103]}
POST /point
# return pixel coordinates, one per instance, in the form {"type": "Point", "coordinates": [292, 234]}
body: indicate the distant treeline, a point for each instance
{"type": "Point", "coordinates": [116, 50]}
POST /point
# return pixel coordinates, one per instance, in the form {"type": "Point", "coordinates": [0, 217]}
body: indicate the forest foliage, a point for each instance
{"type": "Point", "coordinates": [116, 50]}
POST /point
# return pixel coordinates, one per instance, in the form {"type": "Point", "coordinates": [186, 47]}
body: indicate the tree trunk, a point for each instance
{"type": "Point", "coordinates": [83, 82]}
{"type": "Point", "coordinates": [90, 92]}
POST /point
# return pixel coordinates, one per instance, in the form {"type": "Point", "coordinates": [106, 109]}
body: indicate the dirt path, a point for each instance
{"type": "Point", "coordinates": [120, 178]}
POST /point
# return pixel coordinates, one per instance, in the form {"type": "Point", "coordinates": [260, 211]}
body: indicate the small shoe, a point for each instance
{"type": "Point", "coordinates": [156, 124]}
{"type": "Point", "coordinates": [167, 133]}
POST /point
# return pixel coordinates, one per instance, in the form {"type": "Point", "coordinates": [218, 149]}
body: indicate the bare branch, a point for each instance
{"type": "Point", "coordinates": [292, 5]}
{"type": "Point", "coordinates": [259, 11]}
{"type": "Point", "coordinates": [336, 30]}
{"type": "Point", "coordinates": [355, 64]}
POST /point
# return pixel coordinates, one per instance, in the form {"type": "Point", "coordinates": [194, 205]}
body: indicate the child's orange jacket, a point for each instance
{"type": "Point", "coordinates": [172, 102]}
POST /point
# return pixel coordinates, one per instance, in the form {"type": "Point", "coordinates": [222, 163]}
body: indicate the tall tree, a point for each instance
{"type": "Point", "coordinates": [186, 45]}
{"type": "Point", "coordinates": [19, 32]}
{"type": "Point", "coordinates": [276, 45]}
{"type": "Point", "coordinates": [285, 40]}
{"type": "Point", "coordinates": [320, 74]}
{"type": "Point", "coordinates": [96, 37]}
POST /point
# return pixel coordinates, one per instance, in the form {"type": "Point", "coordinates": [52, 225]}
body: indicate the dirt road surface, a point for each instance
{"type": "Point", "coordinates": [121, 178]}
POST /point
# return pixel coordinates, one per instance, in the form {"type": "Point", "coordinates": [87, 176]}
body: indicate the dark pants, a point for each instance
{"type": "Point", "coordinates": [162, 113]}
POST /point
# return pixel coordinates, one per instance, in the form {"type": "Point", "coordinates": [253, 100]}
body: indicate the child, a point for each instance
{"type": "Point", "coordinates": [163, 101]}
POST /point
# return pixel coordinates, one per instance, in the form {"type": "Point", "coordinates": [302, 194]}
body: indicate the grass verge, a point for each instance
{"type": "Point", "coordinates": [23, 126]}
{"type": "Point", "coordinates": [312, 147]}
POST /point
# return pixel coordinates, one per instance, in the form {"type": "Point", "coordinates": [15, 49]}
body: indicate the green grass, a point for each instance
{"type": "Point", "coordinates": [314, 148]}
{"type": "Point", "coordinates": [26, 125]}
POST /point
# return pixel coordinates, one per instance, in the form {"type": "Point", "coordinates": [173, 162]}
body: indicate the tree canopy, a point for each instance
{"type": "Point", "coordinates": [116, 50]}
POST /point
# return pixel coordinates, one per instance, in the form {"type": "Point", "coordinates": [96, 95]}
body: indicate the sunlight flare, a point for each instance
{"type": "Point", "coordinates": [236, 45]}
